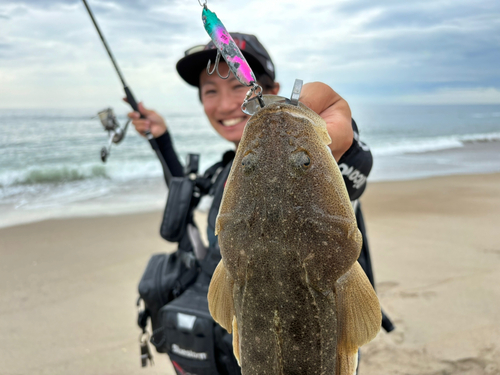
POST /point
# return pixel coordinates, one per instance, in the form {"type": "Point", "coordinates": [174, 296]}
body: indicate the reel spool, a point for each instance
{"type": "Point", "coordinates": [111, 125]}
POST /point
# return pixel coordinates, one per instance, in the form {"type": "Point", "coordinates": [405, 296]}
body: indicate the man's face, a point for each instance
{"type": "Point", "coordinates": [222, 99]}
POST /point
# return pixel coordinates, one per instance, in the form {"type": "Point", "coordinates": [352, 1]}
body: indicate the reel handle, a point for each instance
{"type": "Point", "coordinates": [104, 154]}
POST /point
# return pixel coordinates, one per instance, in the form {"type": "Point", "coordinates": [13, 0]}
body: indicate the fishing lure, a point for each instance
{"type": "Point", "coordinates": [227, 48]}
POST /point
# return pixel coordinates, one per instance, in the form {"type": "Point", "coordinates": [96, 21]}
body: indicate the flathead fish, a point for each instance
{"type": "Point", "coordinates": [288, 286]}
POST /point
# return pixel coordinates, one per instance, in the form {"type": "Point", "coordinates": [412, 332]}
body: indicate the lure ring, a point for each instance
{"type": "Point", "coordinates": [255, 88]}
{"type": "Point", "coordinates": [204, 3]}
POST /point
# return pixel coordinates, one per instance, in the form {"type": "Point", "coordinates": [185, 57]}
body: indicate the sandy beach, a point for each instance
{"type": "Point", "coordinates": [68, 286]}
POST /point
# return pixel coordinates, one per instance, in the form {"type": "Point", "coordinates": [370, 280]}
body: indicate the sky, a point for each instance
{"type": "Point", "coordinates": [387, 51]}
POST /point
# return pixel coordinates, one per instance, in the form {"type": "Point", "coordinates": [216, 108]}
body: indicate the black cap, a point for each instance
{"type": "Point", "coordinates": [196, 58]}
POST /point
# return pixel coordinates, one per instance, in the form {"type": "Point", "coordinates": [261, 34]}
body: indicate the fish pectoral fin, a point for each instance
{"type": "Point", "coordinates": [220, 297]}
{"type": "Point", "coordinates": [347, 362]}
{"type": "Point", "coordinates": [236, 341]}
{"type": "Point", "coordinates": [221, 305]}
{"type": "Point", "coordinates": [359, 318]}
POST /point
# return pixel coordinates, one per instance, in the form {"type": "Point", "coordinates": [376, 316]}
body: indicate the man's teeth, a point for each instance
{"type": "Point", "coordinates": [232, 122]}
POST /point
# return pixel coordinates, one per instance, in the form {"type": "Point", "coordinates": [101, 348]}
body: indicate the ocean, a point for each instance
{"type": "Point", "coordinates": [50, 164]}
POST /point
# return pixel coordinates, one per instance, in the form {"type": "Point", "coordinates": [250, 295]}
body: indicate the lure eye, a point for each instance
{"type": "Point", "coordinates": [248, 163]}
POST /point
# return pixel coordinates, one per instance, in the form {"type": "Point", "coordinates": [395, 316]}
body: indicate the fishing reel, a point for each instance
{"type": "Point", "coordinates": [111, 125]}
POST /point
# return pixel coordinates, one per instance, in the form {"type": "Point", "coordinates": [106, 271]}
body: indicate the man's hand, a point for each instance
{"type": "Point", "coordinates": [152, 121]}
{"type": "Point", "coordinates": [334, 110]}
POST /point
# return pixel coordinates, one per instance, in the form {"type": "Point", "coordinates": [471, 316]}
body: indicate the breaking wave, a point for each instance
{"type": "Point", "coordinates": [57, 175]}
{"type": "Point", "coordinates": [52, 175]}
{"type": "Point", "coordinates": [422, 145]}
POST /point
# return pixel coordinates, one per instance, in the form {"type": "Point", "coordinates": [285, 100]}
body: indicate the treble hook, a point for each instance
{"type": "Point", "coordinates": [216, 66]}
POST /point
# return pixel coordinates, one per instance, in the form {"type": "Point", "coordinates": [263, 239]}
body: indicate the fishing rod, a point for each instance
{"type": "Point", "coordinates": [130, 97]}
{"type": "Point", "coordinates": [107, 117]}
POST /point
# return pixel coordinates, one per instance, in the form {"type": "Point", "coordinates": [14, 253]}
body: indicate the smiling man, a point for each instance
{"type": "Point", "coordinates": [221, 100]}
{"type": "Point", "coordinates": [222, 103]}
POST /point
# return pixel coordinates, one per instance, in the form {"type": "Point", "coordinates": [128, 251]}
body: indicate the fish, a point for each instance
{"type": "Point", "coordinates": [289, 287]}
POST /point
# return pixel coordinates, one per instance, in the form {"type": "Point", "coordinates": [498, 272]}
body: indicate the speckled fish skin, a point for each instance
{"type": "Point", "coordinates": [287, 234]}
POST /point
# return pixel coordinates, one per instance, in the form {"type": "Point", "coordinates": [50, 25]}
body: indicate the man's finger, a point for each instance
{"type": "Point", "coordinates": [318, 96]}
{"type": "Point", "coordinates": [134, 115]}
{"type": "Point", "coordinates": [142, 123]}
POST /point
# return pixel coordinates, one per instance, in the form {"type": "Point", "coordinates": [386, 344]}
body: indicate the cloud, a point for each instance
{"type": "Point", "coordinates": [40, 4]}
{"type": "Point", "coordinates": [398, 48]}
{"type": "Point", "coordinates": [384, 50]}
{"type": "Point", "coordinates": [102, 4]}
{"type": "Point", "coordinates": [479, 95]}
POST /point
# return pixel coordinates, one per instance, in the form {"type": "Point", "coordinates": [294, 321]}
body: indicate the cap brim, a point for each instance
{"type": "Point", "coordinates": [191, 66]}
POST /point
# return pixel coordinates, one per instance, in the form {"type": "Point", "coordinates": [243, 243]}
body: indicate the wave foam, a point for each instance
{"type": "Point", "coordinates": [56, 175]}
{"type": "Point", "coordinates": [51, 175]}
{"type": "Point", "coordinates": [422, 145]}
{"type": "Point", "coordinates": [63, 174]}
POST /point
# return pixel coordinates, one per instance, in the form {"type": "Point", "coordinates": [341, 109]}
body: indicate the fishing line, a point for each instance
{"type": "Point", "coordinates": [107, 117]}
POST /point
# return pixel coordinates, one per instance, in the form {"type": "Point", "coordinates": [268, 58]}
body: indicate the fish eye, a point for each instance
{"type": "Point", "coordinates": [249, 162]}
{"type": "Point", "coordinates": [301, 159]}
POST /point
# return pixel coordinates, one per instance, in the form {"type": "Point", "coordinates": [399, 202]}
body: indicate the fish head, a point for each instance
{"type": "Point", "coordinates": [285, 181]}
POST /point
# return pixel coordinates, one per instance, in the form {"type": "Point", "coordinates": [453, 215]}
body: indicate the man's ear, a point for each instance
{"type": "Point", "coordinates": [275, 89]}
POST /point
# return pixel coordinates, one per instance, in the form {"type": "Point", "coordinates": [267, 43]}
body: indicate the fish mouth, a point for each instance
{"type": "Point", "coordinates": [232, 121]}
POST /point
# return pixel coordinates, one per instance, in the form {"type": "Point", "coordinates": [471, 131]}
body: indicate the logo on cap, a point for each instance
{"type": "Point", "coordinates": [270, 65]}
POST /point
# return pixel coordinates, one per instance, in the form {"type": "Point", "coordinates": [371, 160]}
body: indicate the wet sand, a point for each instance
{"type": "Point", "coordinates": [68, 287]}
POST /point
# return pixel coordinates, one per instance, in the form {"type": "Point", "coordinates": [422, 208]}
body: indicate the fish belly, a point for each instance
{"type": "Point", "coordinates": [285, 326]}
